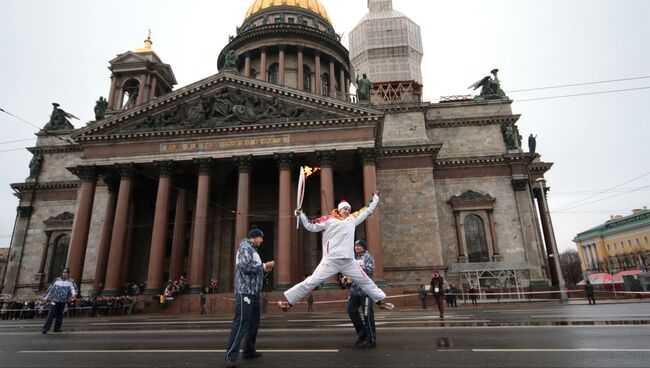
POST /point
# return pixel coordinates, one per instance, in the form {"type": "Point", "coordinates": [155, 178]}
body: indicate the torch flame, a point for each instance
{"type": "Point", "coordinates": [310, 170]}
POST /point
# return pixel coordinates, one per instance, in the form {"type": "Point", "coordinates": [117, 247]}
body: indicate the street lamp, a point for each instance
{"type": "Point", "coordinates": [555, 259]}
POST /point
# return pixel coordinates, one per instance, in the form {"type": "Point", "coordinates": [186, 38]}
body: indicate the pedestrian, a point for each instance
{"type": "Point", "coordinates": [589, 290]}
{"type": "Point", "coordinates": [472, 293]}
{"type": "Point", "coordinates": [249, 280]}
{"type": "Point", "coordinates": [202, 301]}
{"type": "Point", "coordinates": [437, 291]}
{"type": "Point", "coordinates": [422, 294]}
{"type": "Point", "coordinates": [448, 297]}
{"type": "Point", "coordinates": [60, 291]}
{"type": "Point", "coordinates": [338, 253]}
{"type": "Point", "coordinates": [310, 302]}
{"type": "Point", "coordinates": [366, 331]}
{"type": "Point", "coordinates": [453, 293]}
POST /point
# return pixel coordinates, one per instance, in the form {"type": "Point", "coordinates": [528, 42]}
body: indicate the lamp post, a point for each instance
{"type": "Point", "coordinates": [555, 255]}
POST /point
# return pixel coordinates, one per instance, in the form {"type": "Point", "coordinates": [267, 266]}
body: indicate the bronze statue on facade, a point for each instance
{"type": "Point", "coordinates": [100, 108]}
{"type": "Point", "coordinates": [35, 165]}
{"type": "Point", "coordinates": [532, 143]}
{"type": "Point", "coordinates": [510, 135]}
{"type": "Point", "coordinates": [364, 88]}
{"type": "Point", "coordinates": [490, 88]}
{"type": "Point", "coordinates": [59, 119]}
{"type": "Point", "coordinates": [230, 60]}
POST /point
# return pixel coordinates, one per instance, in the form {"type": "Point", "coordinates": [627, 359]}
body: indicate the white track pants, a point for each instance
{"type": "Point", "coordinates": [328, 268]}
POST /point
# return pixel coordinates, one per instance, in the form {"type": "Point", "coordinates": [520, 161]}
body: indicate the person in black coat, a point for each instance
{"type": "Point", "coordinates": [437, 289]}
{"type": "Point", "coordinates": [589, 290]}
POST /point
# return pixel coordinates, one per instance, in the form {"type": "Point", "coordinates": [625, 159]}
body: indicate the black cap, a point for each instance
{"type": "Point", "coordinates": [362, 243]}
{"type": "Point", "coordinates": [255, 233]}
{"type": "Point", "coordinates": [66, 270]}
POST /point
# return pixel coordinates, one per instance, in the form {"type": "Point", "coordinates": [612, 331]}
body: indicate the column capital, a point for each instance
{"type": "Point", "coordinates": [519, 185]}
{"type": "Point", "coordinates": [204, 165]}
{"type": "Point", "coordinates": [127, 171]}
{"type": "Point", "coordinates": [112, 180]}
{"type": "Point", "coordinates": [326, 158]}
{"type": "Point", "coordinates": [24, 211]}
{"type": "Point", "coordinates": [85, 173]}
{"type": "Point", "coordinates": [284, 160]}
{"type": "Point", "coordinates": [165, 168]}
{"type": "Point", "coordinates": [369, 156]}
{"type": "Point", "coordinates": [244, 163]}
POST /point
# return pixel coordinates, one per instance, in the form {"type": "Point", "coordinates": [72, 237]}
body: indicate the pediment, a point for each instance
{"type": "Point", "coordinates": [128, 57]}
{"type": "Point", "coordinates": [226, 100]}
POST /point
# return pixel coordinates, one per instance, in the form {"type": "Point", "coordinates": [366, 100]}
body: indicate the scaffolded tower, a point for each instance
{"type": "Point", "coordinates": [387, 46]}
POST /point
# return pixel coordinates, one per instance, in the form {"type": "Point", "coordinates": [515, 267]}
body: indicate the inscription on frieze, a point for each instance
{"type": "Point", "coordinates": [214, 145]}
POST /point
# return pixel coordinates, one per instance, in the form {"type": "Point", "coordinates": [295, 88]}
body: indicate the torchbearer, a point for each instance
{"type": "Point", "coordinates": [59, 292]}
{"type": "Point", "coordinates": [338, 253]}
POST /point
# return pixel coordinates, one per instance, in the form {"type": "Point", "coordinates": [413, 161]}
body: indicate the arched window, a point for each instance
{"type": "Point", "coordinates": [324, 82]}
{"type": "Point", "coordinates": [274, 71]}
{"type": "Point", "coordinates": [306, 78]}
{"type": "Point", "coordinates": [59, 257]}
{"type": "Point", "coordinates": [477, 250]}
{"type": "Point", "coordinates": [130, 90]}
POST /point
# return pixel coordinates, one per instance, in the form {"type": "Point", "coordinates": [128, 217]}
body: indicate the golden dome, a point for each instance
{"type": "Point", "coordinates": [312, 5]}
{"type": "Point", "coordinates": [146, 47]}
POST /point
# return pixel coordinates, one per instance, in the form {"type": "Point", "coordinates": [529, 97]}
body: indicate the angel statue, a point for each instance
{"type": "Point", "coordinates": [59, 119]}
{"type": "Point", "coordinates": [491, 88]}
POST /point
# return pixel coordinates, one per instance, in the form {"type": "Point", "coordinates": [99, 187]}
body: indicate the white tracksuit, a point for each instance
{"type": "Point", "coordinates": [338, 254]}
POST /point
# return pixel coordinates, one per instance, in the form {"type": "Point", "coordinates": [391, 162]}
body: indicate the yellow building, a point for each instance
{"type": "Point", "coordinates": [622, 243]}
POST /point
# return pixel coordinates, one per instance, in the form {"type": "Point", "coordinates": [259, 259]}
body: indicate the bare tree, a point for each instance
{"type": "Point", "coordinates": [570, 265]}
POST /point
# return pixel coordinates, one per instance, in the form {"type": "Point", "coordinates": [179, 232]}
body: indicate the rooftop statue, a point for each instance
{"type": "Point", "coordinates": [59, 119]}
{"type": "Point", "coordinates": [230, 60]}
{"type": "Point", "coordinates": [100, 108]}
{"type": "Point", "coordinates": [491, 88]}
{"type": "Point", "coordinates": [35, 165]}
{"type": "Point", "coordinates": [364, 87]}
{"type": "Point", "coordinates": [532, 143]}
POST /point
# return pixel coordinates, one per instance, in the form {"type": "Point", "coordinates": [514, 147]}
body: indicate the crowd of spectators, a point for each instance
{"type": "Point", "coordinates": [79, 307]}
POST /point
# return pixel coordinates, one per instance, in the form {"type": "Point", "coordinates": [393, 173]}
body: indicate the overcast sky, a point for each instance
{"type": "Point", "coordinates": [59, 51]}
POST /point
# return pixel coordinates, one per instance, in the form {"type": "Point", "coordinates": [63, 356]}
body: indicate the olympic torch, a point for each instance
{"type": "Point", "coordinates": [303, 174]}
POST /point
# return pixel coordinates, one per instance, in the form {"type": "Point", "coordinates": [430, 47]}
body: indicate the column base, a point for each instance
{"type": "Point", "coordinates": [282, 286]}
{"type": "Point", "coordinates": [111, 292]}
{"type": "Point", "coordinates": [462, 259]}
{"type": "Point", "coordinates": [195, 289]}
{"type": "Point", "coordinates": [497, 258]}
{"type": "Point", "coordinates": [152, 291]}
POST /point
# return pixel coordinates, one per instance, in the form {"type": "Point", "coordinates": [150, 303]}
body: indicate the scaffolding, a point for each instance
{"type": "Point", "coordinates": [499, 272]}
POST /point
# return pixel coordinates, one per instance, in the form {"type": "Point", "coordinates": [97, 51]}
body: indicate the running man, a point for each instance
{"type": "Point", "coordinates": [338, 253]}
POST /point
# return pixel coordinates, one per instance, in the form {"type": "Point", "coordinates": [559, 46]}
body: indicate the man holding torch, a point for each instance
{"type": "Point", "coordinates": [338, 253]}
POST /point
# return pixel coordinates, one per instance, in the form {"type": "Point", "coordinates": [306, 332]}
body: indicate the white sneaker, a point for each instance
{"type": "Point", "coordinates": [386, 305]}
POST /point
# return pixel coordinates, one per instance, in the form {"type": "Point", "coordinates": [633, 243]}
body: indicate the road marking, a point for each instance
{"type": "Point", "coordinates": [142, 351]}
{"type": "Point", "coordinates": [604, 350]}
{"type": "Point", "coordinates": [158, 323]}
{"type": "Point", "coordinates": [646, 316]}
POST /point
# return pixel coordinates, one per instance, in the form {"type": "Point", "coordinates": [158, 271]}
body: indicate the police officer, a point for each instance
{"type": "Point", "coordinates": [62, 289]}
{"type": "Point", "coordinates": [366, 332]}
{"type": "Point", "coordinates": [248, 285]}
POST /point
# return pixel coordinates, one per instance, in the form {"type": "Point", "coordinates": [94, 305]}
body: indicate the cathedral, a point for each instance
{"type": "Point", "coordinates": [166, 182]}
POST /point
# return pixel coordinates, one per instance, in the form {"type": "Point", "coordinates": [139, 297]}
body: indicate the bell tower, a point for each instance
{"type": "Point", "coordinates": [138, 76]}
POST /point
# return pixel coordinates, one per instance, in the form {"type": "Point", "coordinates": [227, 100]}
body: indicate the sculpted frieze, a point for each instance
{"type": "Point", "coordinates": [227, 106]}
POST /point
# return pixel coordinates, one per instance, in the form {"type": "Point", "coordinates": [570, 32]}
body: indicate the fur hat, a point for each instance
{"type": "Point", "coordinates": [343, 204]}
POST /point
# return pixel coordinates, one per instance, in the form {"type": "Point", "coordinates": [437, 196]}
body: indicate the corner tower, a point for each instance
{"type": "Point", "coordinates": [387, 46]}
{"type": "Point", "coordinates": [291, 43]}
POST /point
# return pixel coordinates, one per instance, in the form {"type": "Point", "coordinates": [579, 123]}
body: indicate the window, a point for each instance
{"type": "Point", "coordinates": [622, 245]}
{"type": "Point", "coordinates": [646, 239]}
{"type": "Point", "coordinates": [475, 239]}
{"type": "Point", "coordinates": [274, 71]}
{"type": "Point", "coordinates": [59, 257]}
{"type": "Point", "coordinates": [130, 91]}
{"type": "Point", "coordinates": [292, 20]}
{"type": "Point", "coordinates": [629, 243]}
{"type": "Point", "coordinates": [306, 78]}
{"type": "Point", "coordinates": [608, 247]}
{"type": "Point", "coordinates": [638, 243]}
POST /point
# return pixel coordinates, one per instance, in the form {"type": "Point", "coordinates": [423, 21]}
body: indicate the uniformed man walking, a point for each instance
{"type": "Point", "coordinates": [248, 285]}
{"type": "Point", "coordinates": [62, 289]}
